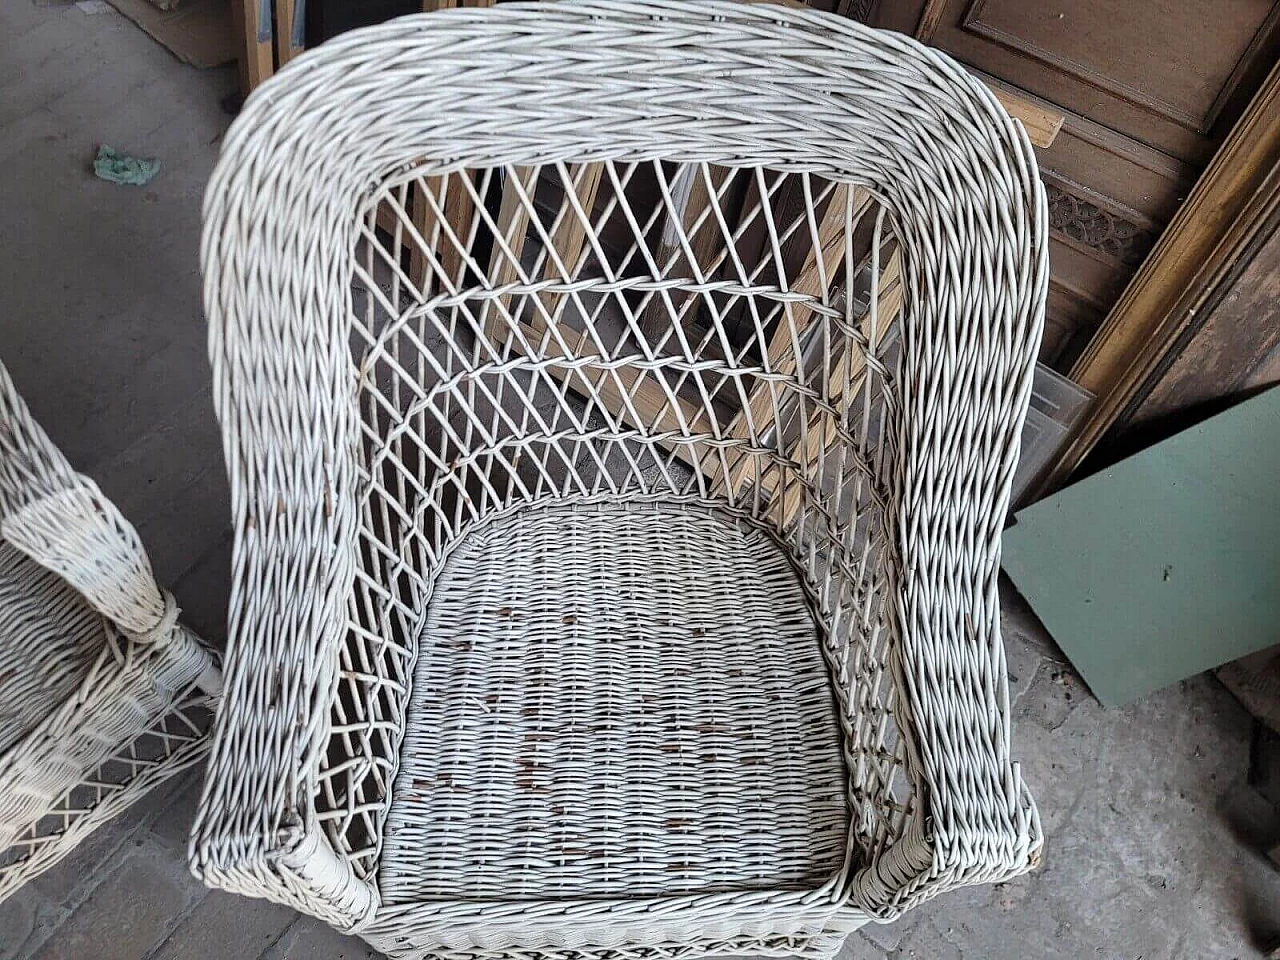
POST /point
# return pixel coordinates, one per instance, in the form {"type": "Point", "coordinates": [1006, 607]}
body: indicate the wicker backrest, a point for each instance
{"type": "Point", "coordinates": [463, 263]}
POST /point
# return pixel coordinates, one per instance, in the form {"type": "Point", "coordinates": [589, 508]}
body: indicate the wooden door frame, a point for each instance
{"type": "Point", "coordinates": [1165, 302]}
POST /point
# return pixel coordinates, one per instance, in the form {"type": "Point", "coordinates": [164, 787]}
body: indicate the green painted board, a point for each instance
{"type": "Point", "coordinates": [1168, 563]}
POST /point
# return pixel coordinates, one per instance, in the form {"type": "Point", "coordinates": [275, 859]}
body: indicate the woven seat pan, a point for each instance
{"type": "Point", "coordinates": [616, 702]}
{"type": "Point", "coordinates": [621, 402]}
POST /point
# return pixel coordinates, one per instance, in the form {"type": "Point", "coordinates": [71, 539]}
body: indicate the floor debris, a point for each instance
{"type": "Point", "coordinates": [122, 168]}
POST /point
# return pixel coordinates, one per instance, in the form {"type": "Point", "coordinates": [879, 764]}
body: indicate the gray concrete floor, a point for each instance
{"type": "Point", "coordinates": [1148, 819]}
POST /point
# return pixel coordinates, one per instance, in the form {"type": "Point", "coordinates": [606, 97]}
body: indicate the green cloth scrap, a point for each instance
{"type": "Point", "coordinates": [122, 168]}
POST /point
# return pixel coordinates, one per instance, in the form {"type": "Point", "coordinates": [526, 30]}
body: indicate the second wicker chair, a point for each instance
{"type": "Point", "coordinates": [104, 694]}
{"type": "Point", "coordinates": [621, 403]}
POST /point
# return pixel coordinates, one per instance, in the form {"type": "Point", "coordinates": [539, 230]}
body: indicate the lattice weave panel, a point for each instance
{"type": "Point", "coordinates": [609, 360]}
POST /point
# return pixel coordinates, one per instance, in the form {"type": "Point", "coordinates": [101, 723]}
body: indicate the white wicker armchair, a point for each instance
{"type": "Point", "coordinates": [621, 401]}
{"type": "Point", "coordinates": [103, 694]}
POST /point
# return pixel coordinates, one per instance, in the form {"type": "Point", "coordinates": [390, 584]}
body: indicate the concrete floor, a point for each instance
{"type": "Point", "coordinates": [1148, 820]}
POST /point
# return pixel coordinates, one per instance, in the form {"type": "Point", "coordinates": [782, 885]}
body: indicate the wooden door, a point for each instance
{"type": "Point", "coordinates": [1231, 348]}
{"type": "Point", "coordinates": [1147, 90]}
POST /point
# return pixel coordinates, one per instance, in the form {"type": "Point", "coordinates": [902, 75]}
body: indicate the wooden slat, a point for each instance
{"type": "Point", "coordinates": [1041, 121]}
{"type": "Point", "coordinates": [845, 382]}
{"type": "Point", "coordinates": [781, 355]}
{"type": "Point", "coordinates": [284, 32]}
{"type": "Point", "coordinates": [256, 61]}
{"type": "Point", "coordinates": [930, 19]}
{"type": "Point", "coordinates": [569, 233]}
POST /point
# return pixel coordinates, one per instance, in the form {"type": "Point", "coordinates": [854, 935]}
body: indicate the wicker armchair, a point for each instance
{"type": "Point", "coordinates": [103, 694]}
{"type": "Point", "coordinates": [621, 401]}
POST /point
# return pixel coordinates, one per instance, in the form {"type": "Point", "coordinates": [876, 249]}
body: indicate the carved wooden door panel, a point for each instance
{"type": "Point", "coordinates": [1147, 90]}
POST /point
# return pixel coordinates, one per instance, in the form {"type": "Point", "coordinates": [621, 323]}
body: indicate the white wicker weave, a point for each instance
{"type": "Point", "coordinates": [103, 694]}
{"type": "Point", "coordinates": [621, 401]}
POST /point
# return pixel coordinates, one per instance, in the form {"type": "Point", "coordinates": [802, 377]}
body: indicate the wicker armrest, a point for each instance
{"type": "Point", "coordinates": [976, 822]}
{"type": "Point", "coordinates": [61, 520]}
{"type": "Point", "coordinates": [80, 535]}
{"type": "Point", "coordinates": [965, 388]}
{"type": "Point", "coordinates": [95, 671]}
{"type": "Point", "coordinates": [256, 831]}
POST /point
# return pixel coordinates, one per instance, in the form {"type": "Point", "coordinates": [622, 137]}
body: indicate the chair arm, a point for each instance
{"type": "Point", "coordinates": [974, 820]}
{"type": "Point", "coordinates": [965, 385]}
{"type": "Point", "coordinates": [257, 832]}
{"type": "Point", "coordinates": [79, 534]}
{"type": "Point", "coordinates": [61, 520]}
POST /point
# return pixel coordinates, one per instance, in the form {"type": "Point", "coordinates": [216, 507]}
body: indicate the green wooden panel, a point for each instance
{"type": "Point", "coordinates": [1168, 563]}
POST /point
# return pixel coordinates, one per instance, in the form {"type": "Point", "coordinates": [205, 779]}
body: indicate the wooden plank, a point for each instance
{"type": "Point", "coordinates": [1161, 302]}
{"type": "Point", "coordinates": [567, 234]}
{"type": "Point", "coordinates": [781, 358]}
{"type": "Point", "coordinates": [1041, 121]}
{"type": "Point", "coordinates": [768, 197]}
{"type": "Point", "coordinates": [285, 47]}
{"type": "Point", "coordinates": [845, 381]}
{"type": "Point", "coordinates": [199, 32]}
{"type": "Point", "coordinates": [256, 60]}
{"type": "Point", "coordinates": [930, 19]}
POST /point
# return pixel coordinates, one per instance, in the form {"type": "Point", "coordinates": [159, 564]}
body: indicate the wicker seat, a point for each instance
{"type": "Point", "coordinates": [621, 403]}
{"type": "Point", "coordinates": [648, 684]}
{"type": "Point", "coordinates": [103, 694]}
